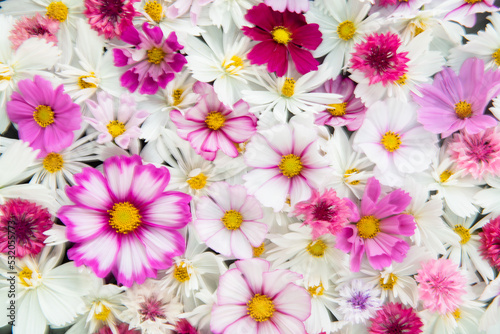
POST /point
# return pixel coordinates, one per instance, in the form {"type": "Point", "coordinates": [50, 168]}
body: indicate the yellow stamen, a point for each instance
{"type": "Point", "coordinates": [181, 273]}
{"type": "Point", "coordinates": [234, 65]}
{"type": "Point", "coordinates": [316, 290]}
{"type": "Point", "coordinates": [463, 109]}
{"type": "Point", "coordinates": [257, 251]}
{"type": "Point", "coordinates": [473, 1]}
{"type": "Point", "coordinates": [288, 88]}
{"type": "Point", "coordinates": [53, 162]}
{"type": "Point", "coordinates": [402, 80]}
{"type": "Point", "coordinates": [25, 275]}
{"type": "Point", "coordinates": [463, 233]}
{"type": "Point", "coordinates": [368, 227]}
{"type": "Point", "coordinates": [197, 182]}
{"type": "Point", "coordinates": [445, 176]}
{"type": "Point", "coordinates": [337, 109]}
{"type": "Point", "coordinates": [58, 11]}
{"type": "Point", "coordinates": [232, 219]}
{"type": "Point", "coordinates": [260, 308]}
{"type": "Point", "coordinates": [156, 55]}
{"type": "Point", "coordinates": [290, 165]}
{"type": "Point", "coordinates": [82, 83]}
{"type": "Point", "coordinates": [215, 120]}
{"type": "Point", "coordinates": [346, 30]}
{"type": "Point", "coordinates": [457, 314]}
{"type": "Point", "coordinates": [43, 115]}
{"type": "Point", "coordinates": [350, 172]}
{"type": "Point", "coordinates": [281, 35]}
{"type": "Point", "coordinates": [388, 283]}
{"type": "Point", "coordinates": [154, 10]}
{"type": "Point", "coordinates": [496, 57]}
{"type": "Point", "coordinates": [115, 128]}
{"type": "Point", "coordinates": [124, 217]}
{"type": "Point", "coordinates": [103, 315]}
{"type": "Point", "coordinates": [317, 248]}
{"type": "Point", "coordinates": [177, 96]}
{"type": "Point", "coordinates": [391, 141]}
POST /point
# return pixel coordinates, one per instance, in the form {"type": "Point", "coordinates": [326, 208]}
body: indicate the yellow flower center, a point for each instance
{"type": "Point", "coordinates": [346, 30]}
{"type": "Point", "coordinates": [234, 65]}
{"type": "Point", "coordinates": [115, 128]}
{"type": "Point", "coordinates": [391, 141]}
{"type": "Point", "coordinates": [124, 217]}
{"type": "Point", "coordinates": [288, 88]}
{"type": "Point", "coordinates": [350, 172]}
{"type": "Point", "coordinates": [463, 109]}
{"type": "Point", "coordinates": [156, 55]}
{"type": "Point", "coordinates": [473, 1]}
{"type": "Point", "coordinates": [290, 165]}
{"type": "Point", "coordinates": [418, 31]}
{"type": "Point", "coordinates": [232, 219]}
{"type": "Point", "coordinates": [85, 84]}
{"type": "Point", "coordinates": [337, 109]}
{"type": "Point", "coordinates": [257, 251]}
{"type": "Point", "coordinates": [402, 80]}
{"type": "Point", "coordinates": [281, 35]}
{"type": "Point", "coordinates": [445, 176]}
{"type": "Point", "coordinates": [316, 290]}
{"type": "Point", "coordinates": [389, 282]}
{"type": "Point", "coordinates": [181, 272]}
{"type": "Point", "coordinates": [496, 57]}
{"type": "Point", "coordinates": [316, 248]}
{"type": "Point", "coordinates": [457, 314]}
{"type": "Point", "coordinates": [260, 308]}
{"type": "Point", "coordinates": [463, 233]}
{"type": "Point", "coordinates": [368, 227]}
{"type": "Point", "coordinates": [24, 275]}
{"type": "Point", "coordinates": [43, 115]}
{"type": "Point", "coordinates": [154, 10]}
{"type": "Point", "coordinates": [215, 120]}
{"type": "Point", "coordinates": [103, 315]}
{"type": "Point", "coordinates": [58, 11]}
{"type": "Point", "coordinates": [197, 182]}
{"type": "Point", "coordinates": [177, 96]}
{"type": "Point", "coordinates": [53, 162]}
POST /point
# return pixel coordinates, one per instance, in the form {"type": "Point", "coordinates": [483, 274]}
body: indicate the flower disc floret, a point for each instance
{"type": "Point", "coordinates": [43, 115]}
{"type": "Point", "coordinates": [290, 165]}
{"type": "Point", "coordinates": [317, 248]}
{"type": "Point", "coordinates": [288, 88]}
{"type": "Point", "coordinates": [115, 128]}
{"type": "Point", "coordinates": [53, 162]}
{"type": "Point", "coordinates": [260, 308]}
{"type": "Point", "coordinates": [232, 219]}
{"type": "Point", "coordinates": [197, 182]}
{"type": "Point", "coordinates": [124, 217]}
{"type": "Point", "coordinates": [181, 273]}
{"type": "Point", "coordinates": [463, 109]}
{"type": "Point", "coordinates": [156, 55]}
{"type": "Point", "coordinates": [346, 30]}
{"type": "Point", "coordinates": [57, 10]}
{"type": "Point", "coordinates": [154, 10]}
{"type": "Point", "coordinates": [215, 120]}
{"type": "Point", "coordinates": [391, 141]}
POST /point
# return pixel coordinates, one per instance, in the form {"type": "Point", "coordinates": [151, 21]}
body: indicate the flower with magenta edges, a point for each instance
{"type": "Point", "coordinates": [38, 26]}
{"type": "Point", "coordinates": [253, 298]}
{"type": "Point", "coordinates": [124, 222]}
{"type": "Point", "coordinates": [27, 221]}
{"type": "Point", "coordinates": [110, 17]}
{"type": "Point", "coordinates": [46, 117]}
{"type": "Point", "coordinates": [378, 225]}
{"type": "Point", "coordinates": [490, 242]}
{"type": "Point", "coordinates": [395, 318]}
{"type": "Point", "coordinates": [151, 59]}
{"type": "Point", "coordinates": [282, 35]}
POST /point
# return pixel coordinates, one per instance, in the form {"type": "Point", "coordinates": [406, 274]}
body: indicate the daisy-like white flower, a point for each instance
{"type": "Point", "coordinates": [200, 316]}
{"type": "Point", "coordinates": [378, 225]}
{"type": "Point", "coordinates": [487, 198]}
{"type": "Point", "coordinates": [151, 60]}
{"type": "Point", "coordinates": [492, 314]}
{"type": "Point", "coordinates": [41, 281]}
{"type": "Point", "coordinates": [441, 285]}
{"type": "Point", "coordinates": [343, 24]}
{"type": "Point", "coordinates": [38, 26]}
{"type": "Point", "coordinates": [110, 18]}
{"type": "Point", "coordinates": [224, 13]}
{"type": "Point", "coordinates": [286, 162]}
{"type": "Point", "coordinates": [323, 301]}
{"type": "Point", "coordinates": [130, 215]}
{"type": "Point", "coordinates": [251, 297]}
{"type": "Point", "coordinates": [228, 221]}
{"type": "Point", "coordinates": [394, 317]}
{"type": "Point", "coordinates": [150, 311]}
{"type": "Point", "coordinates": [490, 242]}
{"type": "Point", "coordinates": [46, 117]}
{"type": "Point", "coordinates": [119, 124]}
{"type": "Point", "coordinates": [358, 302]}
{"type": "Point", "coordinates": [27, 221]}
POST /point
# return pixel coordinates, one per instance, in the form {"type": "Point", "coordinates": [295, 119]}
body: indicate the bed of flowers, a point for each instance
{"type": "Point", "coordinates": [249, 166]}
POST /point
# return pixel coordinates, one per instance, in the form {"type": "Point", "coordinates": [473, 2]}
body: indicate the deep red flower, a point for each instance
{"type": "Point", "coordinates": [490, 242]}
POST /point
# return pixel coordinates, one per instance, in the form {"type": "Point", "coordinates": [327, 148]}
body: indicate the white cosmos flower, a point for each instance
{"type": "Point", "coordinates": [225, 12]}
{"type": "Point", "coordinates": [488, 198]}
{"type": "Point", "coordinates": [491, 316]}
{"type": "Point", "coordinates": [322, 301]}
{"type": "Point", "coordinates": [201, 315]}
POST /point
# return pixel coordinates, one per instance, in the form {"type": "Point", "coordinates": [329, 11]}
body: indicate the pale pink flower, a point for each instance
{"type": "Point", "coordinates": [181, 7]}
{"type": "Point", "coordinates": [39, 26]}
{"type": "Point", "coordinates": [296, 6]}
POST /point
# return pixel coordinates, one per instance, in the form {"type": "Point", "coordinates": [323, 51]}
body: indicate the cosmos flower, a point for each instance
{"type": "Point", "coordinates": [110, 17]}
{"type": "Point", "coordinates": [38, 26]}
{"type": "Point", "coordinates": [395, 318]}
{"type": "Point", "coordinates": [296, 6]}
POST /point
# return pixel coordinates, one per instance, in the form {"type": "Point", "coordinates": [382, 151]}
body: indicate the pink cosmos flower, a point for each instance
{"type": "Point", "coordinates": [181, 7]}
{"type": "Point", "coordinates": [395, 318]}
{"type": "Point", "coordinates": [296, 6]}
{"type": "Point", "coordinates": [46, 117]}
{"type": "Point", "coordinates": [325, 213]}
{"type": "Point", "coordinates": [124, 222]}
{"type": "Point", "coordinates": [281, 35]}
{"type": "Point", "coordinates": [228, 221]}
{"type": "Point", "coordinates": [26, 221]}
{"type": "Point", "coordinates": [210, 125]}
{"type": "Point", "coordinates": [378, 58]}
{"type": "Point", "coordinates": [253, 299]}
{"type": "Point", "coordinates": [378, 225]}
{"type": "Point", "coordinates": [490, 242]}
{"type": "Point", "coordinates": [349, 112]}
{"type": "Point", "coordinates": [441, 285]}
{"type": "Point", "coordinates": [477, 154]}
{"type": "Point", "coordinates": [465, 11]}
{"type": "Point", "coordinates": [110, 17]}
{"type": "Point", "coordinates": [38, 26]}
{"type": "Point", "coordinates": [151, 60]}
{"type": "Point", "coordinates": [120, 124]}
{"type": "Point", "coordinates": [286, 163]}
{"type": "Point", "coordinates": [454, 102]}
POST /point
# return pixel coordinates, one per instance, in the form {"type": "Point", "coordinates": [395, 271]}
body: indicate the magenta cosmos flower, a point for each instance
{"type": "Point", "coordinates": [377, 57]}
{"type": "Point", "coordinates": [377, 227]}
{"type": "Point", "coordinates": [441, 286]}
{"type": "Point", "coordinates": [211, 126]}
{"type": "Point", "coordinates": [490, 242]}
{"type": "Point", "coordinates": [454, 102]}
{"type": "Point", "coordinates": [251, 299]}
{"type": "Point", "coordinates": [395, 318]}
{"type": "Point", "coordinates": [350, 112]}
{"type": "Point", "coordinates": [110, 17]}
{"type": "Point", "coordinates": [26, 221]}
{"type": "Point", "coordinates": [35, 26]}
{"type": "Point", "coordinates": [124, 222]}
{"type": "Point", "coordinates": [46, 117]}
{"type": "Point", "coordinates": [152, 61]}
{"type": "Point", "coordinates": [281, 35]}
{"type": "Point", "coordinates": [228, 221]}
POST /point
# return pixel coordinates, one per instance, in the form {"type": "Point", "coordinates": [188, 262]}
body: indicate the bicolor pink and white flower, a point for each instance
{"type": "Point", "coordinates": [211, 125]}
{"type": "Point", "coordinates": [110, 17]}
{"type": "Point", "coordinates": [379, 226]}
{"type": "Point", "coordinates": [151, 60]}
{"type": "Point", "coordinates": [38, 26]}
{"type": "Point", "coordinates": [123, 221]}
{"type": "Point", "coordinates": [296, 6]}
{"type": "Point", "coordinates": [251, 297]}
{"type": "Point", "coordinates": [46, 117]}
{"type": "Point", "coordinates": [228, 221]}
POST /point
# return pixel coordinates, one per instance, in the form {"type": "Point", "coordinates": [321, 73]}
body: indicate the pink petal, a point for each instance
{"type": "Point", "coordinates": [233, 289]}
{"type": "Point", "coordinates": [170, 210]}
{"type": "Point", "coordinates": [149, 182]}
{"type": "Point", "coordinates": [287, 324]}
{"type": "Point", "coordinates": [91, 190]}
{"type": "Point", "coordinates": [255, 232]}
{"type": "Point", "coordinates": [119, 171]}
{"type": "Point", "coordinates": [293, 300]}
{"type": "Point", "coordinates": [132, 262]}
{"type": "Point", "coordinates": [252, 270]}
{"type": "Point", "coordinates": [225, 315]}
{"type": "Point", "coordinates": [240, 246]}
{"type": "Point", "coordinates": [243, 325]}
{"type": "Point", "coordinates": [83, 224]}
{"type": "Point", "coordinates": [161, 245]}
{"type": "Point", "coordinates": [275, 281]}
{"type": "Point", "coordinates": [220, 241]}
